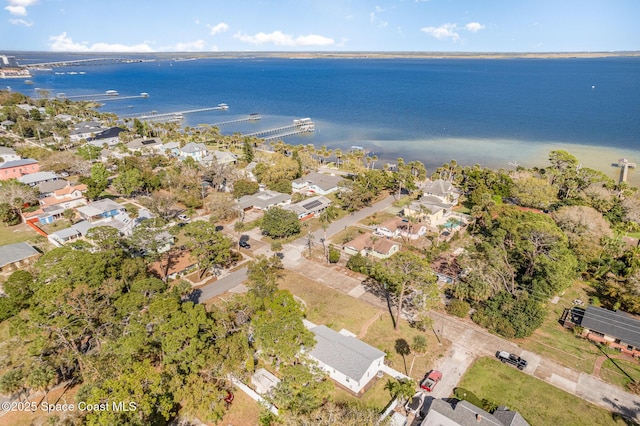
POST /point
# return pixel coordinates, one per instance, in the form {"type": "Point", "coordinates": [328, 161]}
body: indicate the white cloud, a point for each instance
{"type": "Point", "coordinates": [443, 32]}
{"type": "Point", "coordinates": [474, 27]}
{"type": "Point", "coordinates": [19, 7]}
{"type": "Point", "coordinates": [21, 22]}
{"type": "Point", "coordinates": [64, 43]}
{"type": "Point", "coordinates": [281, 39]}
{"type": "Point", "coordinates": [192, 46]}
{"type": "Point", "coordinates": [372, 17]}
{"type": "Point", "coordinates": [17, 10]}
{"type": "Point", "coordinates": [380, 9]}
{"type": "Point", "coordinates": [218, 28]}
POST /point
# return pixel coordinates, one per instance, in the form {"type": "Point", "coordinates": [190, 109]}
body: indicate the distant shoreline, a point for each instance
{"type": "Point", "coordinates": [346, 55]}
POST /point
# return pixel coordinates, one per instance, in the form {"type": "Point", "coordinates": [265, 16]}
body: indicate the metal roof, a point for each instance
{"type": "Point", "coordinates": [346, 354]}
{"type": "Point", "coordinates": [616, 324]}
{"type": "Point", "coordinates": [12, 253]}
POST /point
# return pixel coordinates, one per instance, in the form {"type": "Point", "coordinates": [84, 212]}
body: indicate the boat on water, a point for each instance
{"type": "Point", "coordinates": [28, 82]}
{"type": "Point", "coordinates": [223, 106]}
{"type": "Point", "coordinates": [144, 94]}
{"type": "Point", "coordinates": [111, 93]}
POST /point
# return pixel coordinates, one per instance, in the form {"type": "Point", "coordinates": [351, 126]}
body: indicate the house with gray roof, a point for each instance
{"type": "Point", "coordinates": [442, 190]}
{"type": "Point", "coordinates": [197, 151]}
{"type": "Point", "coordinates": [616, 329]}
{"type": "Point", "coordinates": [101, 209]}
{"type": "Point", "coordinates": [349, 361]}
{"type": "Point", "coordinates": [145, 146]}
{"type": "Point", "coordinates": [16, 256]}
{"type": "Point", "coordinates": [8, 154]}
{"type": "Point", "coordinates": [316, 183]}
{"type": "Point", "coordinates": [311, 207]}
{"type": "Point", "coordinates": [463, 413]}
{"type": "Point", "coordinates": [220, 157]}
{"type": "Point", "coordinates": [37, 178]}
{"type": "Point", "coordinates": [263, 200]}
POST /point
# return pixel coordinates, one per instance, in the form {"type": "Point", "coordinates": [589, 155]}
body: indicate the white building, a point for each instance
{"type": "Point", "coordinates": [349, 361]}
{"type": "Point", "coordinates": [316, 183]}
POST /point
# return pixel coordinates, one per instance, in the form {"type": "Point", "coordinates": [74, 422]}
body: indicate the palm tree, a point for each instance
{"type": "Point", "coordinates": [339, 155]}
{"type": "Point", "coordinates": [418, 347]}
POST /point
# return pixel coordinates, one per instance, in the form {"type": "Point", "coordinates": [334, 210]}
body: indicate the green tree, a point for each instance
{"type": "Point", "coordinates": [263, 275]}
{"type": "Point", "coordinates": [280, 223]}
{"type": "Point", "coordinates": [302, 389]}
{"type": "Point", "coordinates": [404, 272]}
{"type": "Point", "coordinates": [403, 389]}
{"type": "Point", "coordinates": [244, 187]}
{"type": "Point", "coordinates": [278, 329]}
{"type": "Point", "coordinates": [419, 347]}
{"type": "Point", "coordinates": [210, 247]}
{"type": "Point", "coordinates": [128, 182]}
{"type": "Point", "coordinates": [89, 152]}
{"type": "Point", "coordinates": [247, 150]}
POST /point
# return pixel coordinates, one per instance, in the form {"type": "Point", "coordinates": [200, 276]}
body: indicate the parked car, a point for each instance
{"type": "Point", "coordinates": [431, 380]}
{"type": "Point", "coordinates": [512, 359]}
{"type": "Point", "coordinates": [245, 245]}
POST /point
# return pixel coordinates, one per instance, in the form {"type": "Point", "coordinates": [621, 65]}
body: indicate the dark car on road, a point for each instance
{"type": "Point", "coordinates": [244, 245]}
{"type": "Point", "coordinates": [512, 359]}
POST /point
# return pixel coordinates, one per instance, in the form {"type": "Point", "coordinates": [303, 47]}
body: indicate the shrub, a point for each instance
{"type": "Point", "coordinates": [359, 263]}
{"type": "Point", "coordinates": [334, 255]}
{"type": "Point", "coordinates": [458, 307]}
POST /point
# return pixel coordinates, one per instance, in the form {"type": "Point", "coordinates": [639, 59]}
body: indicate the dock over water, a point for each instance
{"type": "Point", "coordinates": [300, 126]}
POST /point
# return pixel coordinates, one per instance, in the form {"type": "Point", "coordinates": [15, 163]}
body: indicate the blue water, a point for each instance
{"type": "Point", "coordinates": [430, 109]}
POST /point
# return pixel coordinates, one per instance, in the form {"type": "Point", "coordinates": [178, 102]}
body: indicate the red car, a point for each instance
{"type": "Point", "coordinates": [431, 380]}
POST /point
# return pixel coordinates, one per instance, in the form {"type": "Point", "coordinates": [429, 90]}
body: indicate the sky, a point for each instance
{"type": "Point", "coordinates": [320, 25]}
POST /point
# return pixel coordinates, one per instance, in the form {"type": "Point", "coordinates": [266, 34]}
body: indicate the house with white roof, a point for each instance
{"type": "Point", "coordinates": [348, 361]}
{"type": "Point", "coordinates": [263, 200]}
{"type": "Point", "coordinates": [316, 183]}
{"type": "Point", "coordinates": [8, 154]}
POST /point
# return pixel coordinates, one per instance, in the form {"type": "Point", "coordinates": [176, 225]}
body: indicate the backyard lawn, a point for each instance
{"type": "Point", "coordinates": [16, 234]}
{"type": "Point", "coordinates": [538, 402]}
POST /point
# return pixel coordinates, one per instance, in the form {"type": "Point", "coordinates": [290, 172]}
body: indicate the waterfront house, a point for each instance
{"type": "Point", "coordinates": [18, 168]}
{"type": "Point", "coordinates": [429, 210]}
{"type": "Point", "coordinates": [309, 208]}
{"type": "Point", "coordinates": [349, 361]}
{"type": "Point", "coordinates": [442, 190]}
{"type": "Point", "coordinates": [367, 244]}
{"type": "Point", "coordinates": [171, 149]}
{"type": "Point", "coordinates": [263, 200]}
{"type": "Point", "coordinates": [17, 256]}
{"type": "Point", "coordinates": [197, 151]}
{"type": "Point", "coordinates": [316, 183]}
{"type": "Point", "coordinates": [8, 154]}
{"type": "Point", "coordinates": [616, 329]}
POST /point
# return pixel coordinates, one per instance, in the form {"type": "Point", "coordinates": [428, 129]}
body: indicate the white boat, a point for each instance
{"type": "Point", "coordinates": [111, 93]}
{"type": "Point", "coordinates": [223, 106]}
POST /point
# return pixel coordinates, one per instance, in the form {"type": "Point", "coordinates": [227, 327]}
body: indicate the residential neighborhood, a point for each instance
{"type": "Point", "coordinates": [293, 281]}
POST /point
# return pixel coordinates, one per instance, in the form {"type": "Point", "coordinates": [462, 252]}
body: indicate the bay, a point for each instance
{"type": "Point", "coordinates": [495, 112]}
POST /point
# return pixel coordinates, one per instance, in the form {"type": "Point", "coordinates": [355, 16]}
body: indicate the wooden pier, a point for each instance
{"type": "Point", "coordinates": [101, 97]}
{"type": "Point", "coordinates": [252, 117]}
{"type": "Point", "coordinates": [303, 125]}
{"type": "Point", "coordinates": [158, 116]}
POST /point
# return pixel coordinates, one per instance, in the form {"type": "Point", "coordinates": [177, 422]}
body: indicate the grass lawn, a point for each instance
{"type": "Point", "coordinates": [376, 397]}
{"type": "Point", "coordinates": [554, 341]}
{"type": "Point", "coordinates": [327, 306]}
{"type": "Point", "coordinates": [16, 234]}
{"type": "Point", "coordinates": [382, 335]}
{"type": "Point", "coordinates": [612, 374]}
{"type": "Point", "coordinates": [243, 411]}
{"type": "Point", "coordinates": [538, 402]}
{"type": "Point", "coordinates": [378, 218]}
